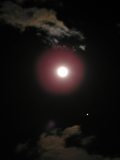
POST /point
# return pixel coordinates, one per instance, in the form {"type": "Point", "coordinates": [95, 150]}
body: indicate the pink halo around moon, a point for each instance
{"type": "Point", "coordinates": [59, 70]}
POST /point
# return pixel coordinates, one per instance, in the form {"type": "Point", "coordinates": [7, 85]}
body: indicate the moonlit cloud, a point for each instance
{"type": "Point", "coordinates": [20, 17]}
{"type": "Point", "coordinates": [71, 131]}
{"type": "Point", "coordinates": [41, 19]}
{"type": "Point", "coordinates": [53, 147]}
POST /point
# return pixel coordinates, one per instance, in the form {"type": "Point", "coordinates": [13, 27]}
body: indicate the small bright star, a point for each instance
{"type": "Point", "coordinates": [87, 114]}
{"type": "Point", "coordinates": [62, 72]}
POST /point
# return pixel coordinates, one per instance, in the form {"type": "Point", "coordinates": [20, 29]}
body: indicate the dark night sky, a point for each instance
{"type": "Point", "coordinates": [26, 108]}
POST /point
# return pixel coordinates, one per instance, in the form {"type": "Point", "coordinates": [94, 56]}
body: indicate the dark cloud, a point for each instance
{"type": "Point", "coordinates": [87, 140]}
{"type": "Point", "coordinates": [20, 1]}
{"type": "Point", "coordinates": [53, 147]}
{"type": "Point", "coordinates": [21, 147]}
{"type": "Point", "coordinates": [37, 1]}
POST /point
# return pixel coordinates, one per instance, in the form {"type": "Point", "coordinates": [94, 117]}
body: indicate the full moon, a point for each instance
{"type": "Point", "coordinates": [59, 70]}
{"type": "Point", "coordinates": [62, 71]}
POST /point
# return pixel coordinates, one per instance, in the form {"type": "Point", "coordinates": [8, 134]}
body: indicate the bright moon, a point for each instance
{"type": "Point", "coordinates": [62, 72]}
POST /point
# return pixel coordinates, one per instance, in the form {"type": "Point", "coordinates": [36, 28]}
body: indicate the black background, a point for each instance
{"type": "Point", "coordinates": [27, 109]}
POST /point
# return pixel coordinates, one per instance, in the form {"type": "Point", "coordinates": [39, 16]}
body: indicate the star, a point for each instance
{"type": "Point", "coordinates": [87, 114]}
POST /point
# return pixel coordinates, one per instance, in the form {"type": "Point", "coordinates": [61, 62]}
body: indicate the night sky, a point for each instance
{"type": "Point", "coordinates": [27, 108]}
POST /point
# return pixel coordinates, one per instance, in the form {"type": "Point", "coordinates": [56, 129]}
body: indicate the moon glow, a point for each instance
{"type": "Point", "coordinates": [59, 70]}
